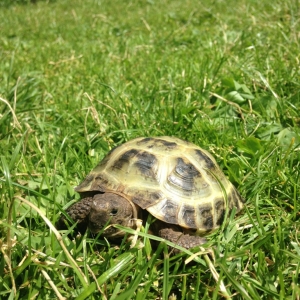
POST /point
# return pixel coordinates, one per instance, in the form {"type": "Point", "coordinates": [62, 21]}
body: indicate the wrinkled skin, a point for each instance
{"type": "Point", "coordinates": [99, 210]}
{"type": "Point", "coordinates": [107, 209]}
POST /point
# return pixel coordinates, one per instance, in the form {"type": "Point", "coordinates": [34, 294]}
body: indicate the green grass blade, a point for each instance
{"type": "Point", "coordinates": [124, 261]}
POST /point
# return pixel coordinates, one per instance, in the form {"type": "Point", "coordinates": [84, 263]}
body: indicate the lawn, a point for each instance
{"type": "Point", "coordinates": [78, 78]}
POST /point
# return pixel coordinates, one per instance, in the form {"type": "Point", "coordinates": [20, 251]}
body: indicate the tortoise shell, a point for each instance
{"type": "Point", "coordinates": [174, 180]}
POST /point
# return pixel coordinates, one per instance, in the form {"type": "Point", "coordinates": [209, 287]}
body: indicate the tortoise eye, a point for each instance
{"type": "Point", "coordinates": [113, 212]}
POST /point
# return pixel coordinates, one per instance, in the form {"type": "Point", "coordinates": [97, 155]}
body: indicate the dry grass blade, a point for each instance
{"type": "Point", "coordinates": [239, 109]}
{"type": "Point", "coordinates": [60, 240]}
{"type": "Point", "coordinates": [96, 282]}
{"type": "Point", "coordinates": [217, 277]}
{"type": "Point", "coordinates": [51, 283]}
{"type": "Point", "coordinates": [7, 254]}
{"type": "Point", "coordinates": [16, 122]}
{"type": "Point", "coordinates": [7, 258]}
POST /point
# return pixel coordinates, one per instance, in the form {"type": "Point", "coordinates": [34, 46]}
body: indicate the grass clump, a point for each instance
{"type": "Point", "coordinates": [78, 78]}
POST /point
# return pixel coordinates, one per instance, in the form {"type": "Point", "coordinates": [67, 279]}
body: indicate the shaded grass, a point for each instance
{"type": "Point", "coordinates": [83, 77]}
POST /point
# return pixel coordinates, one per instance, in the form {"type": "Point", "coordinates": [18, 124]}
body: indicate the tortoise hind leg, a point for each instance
{"type": "Point", "coordinates": [181, 239]}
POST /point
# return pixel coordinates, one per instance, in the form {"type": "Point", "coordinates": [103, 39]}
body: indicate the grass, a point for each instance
{"type": "Point", "coordinates": [80, 77]}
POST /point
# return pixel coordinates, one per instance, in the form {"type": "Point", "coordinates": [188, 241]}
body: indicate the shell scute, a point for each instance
{"type": "Point", "coordinates": [205, 160]}
{"type": "Point", "coordinates": [146, 163]}
{"type": "Point", "coordinates": [169, 211]}
{"type": "Point", "coordinates": [188, 215]}
{"type": "Point", "coordinates": [158, 143]}
{"type": "Point", "coordinates": [219, 211]}
{"type": "Point", "coordinates": [124, 159]}
{"type": "Point", "coordinates": [205, 213]}
{"type": "Point", "coordinates": [145, 198]}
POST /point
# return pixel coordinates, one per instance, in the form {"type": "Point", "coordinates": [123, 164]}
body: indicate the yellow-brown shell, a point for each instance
{"type": "Point", "coordinates": [174, 180]}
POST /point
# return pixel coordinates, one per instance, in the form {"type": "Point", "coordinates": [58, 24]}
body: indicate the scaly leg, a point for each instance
{"type": "Point", "coordinates": [181, 239]}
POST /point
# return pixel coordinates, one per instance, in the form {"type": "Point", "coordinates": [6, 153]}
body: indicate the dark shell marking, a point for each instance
{"type": "Point", "coordinates": [146, 164]}
{"type": "Point", "coordinates": [176, 181]}
{"type": "Point", "coordinates": [183, 176]}
{"type": "Point", "coordinates": [124, 159]}
{"type": "Point", "coordinates": [209, 164]}
{"type": "Point", "coordinates": [157, 142]}
{"type": "Point", "coordinates": [189, 215]}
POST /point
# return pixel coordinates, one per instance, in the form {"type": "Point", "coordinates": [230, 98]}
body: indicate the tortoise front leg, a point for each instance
{"type": "Point", "coordinates": [78, 212]}
{"type": "Point", "coordinates": [184, 240]}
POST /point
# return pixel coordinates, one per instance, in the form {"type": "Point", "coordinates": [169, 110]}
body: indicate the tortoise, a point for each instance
{"type": "Point", "coordinates": [177, 182]}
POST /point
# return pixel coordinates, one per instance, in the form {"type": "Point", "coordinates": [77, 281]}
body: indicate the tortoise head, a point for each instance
{"type": "Point", "coordinates": [109, 209]}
